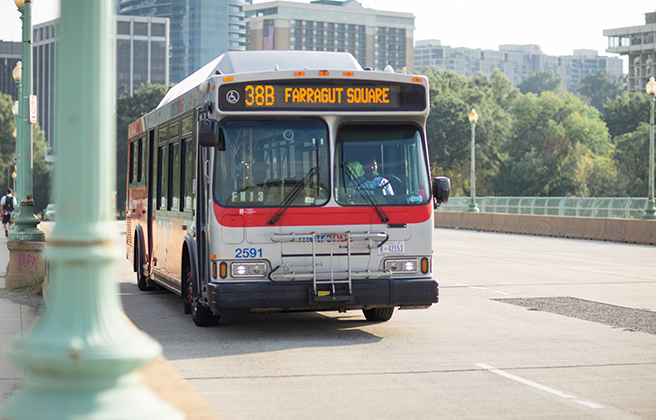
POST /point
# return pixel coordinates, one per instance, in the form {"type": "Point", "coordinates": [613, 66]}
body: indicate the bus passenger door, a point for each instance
{"type": "Point", "coordinates": [202, 215]}
{"type": "Point", "coordinates": [152, 191]}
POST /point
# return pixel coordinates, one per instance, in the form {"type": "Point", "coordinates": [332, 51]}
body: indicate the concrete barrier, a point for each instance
{"type": "Point", "coordinates": [595, 228]}
{"type": "Point", "coordinates": [498, 220]}
{"type": "Point", "coordinates": [557, 225]}
{"type": "Point", "coordinates": [614, 230]}
{"type": "Point", "coordinates": [635, 232]}
{"type": "Point", "coordinates": [575, 227]}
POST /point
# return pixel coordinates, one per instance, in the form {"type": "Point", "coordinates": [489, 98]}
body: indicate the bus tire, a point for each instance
{"type": "Point", "coordinates": [201, 315]}
{"type": "Point", "coordinates": [378, 314]}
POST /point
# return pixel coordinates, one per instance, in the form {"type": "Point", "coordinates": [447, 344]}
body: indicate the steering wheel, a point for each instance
{"type": "Point", "coordinates": [396, 183]}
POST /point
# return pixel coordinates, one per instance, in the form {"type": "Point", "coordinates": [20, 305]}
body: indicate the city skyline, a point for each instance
{"type": "Point", "coordinates": [516, 24]}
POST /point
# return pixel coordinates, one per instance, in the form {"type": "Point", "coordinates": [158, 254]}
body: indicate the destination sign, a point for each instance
{"type": "Point", "coordinates": [331, 95]}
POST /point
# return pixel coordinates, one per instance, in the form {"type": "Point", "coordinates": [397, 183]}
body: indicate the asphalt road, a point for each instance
{"type": "Point", "coordinates": [526, 327]}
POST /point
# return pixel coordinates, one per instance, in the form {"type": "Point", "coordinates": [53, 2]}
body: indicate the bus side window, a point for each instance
{"type": "Point", "coordinates": [139, 160]}
{"type": "Point", "coordinates": [131, 170]}
{"type": "Point", "coordinates": [174, 182]}
{"type": "Point", "coordinates": [163, 169]}
{"type": "Point", "coordinates": [188, 166]}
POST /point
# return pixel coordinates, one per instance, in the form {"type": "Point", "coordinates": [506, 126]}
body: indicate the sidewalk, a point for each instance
{"type": "Point", "coordinates": [18, 314]}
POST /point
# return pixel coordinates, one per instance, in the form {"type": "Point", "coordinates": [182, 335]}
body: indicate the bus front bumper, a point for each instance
{"type": "Point", "coordinates": [300, 296]}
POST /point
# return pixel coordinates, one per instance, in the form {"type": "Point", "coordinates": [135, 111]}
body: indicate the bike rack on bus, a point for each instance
{"type": "Point", "coordinates": [346, 240]}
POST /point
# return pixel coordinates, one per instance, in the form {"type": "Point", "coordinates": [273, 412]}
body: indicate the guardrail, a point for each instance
{"type": "Point", "coordinates": [635, 231]}
{"type": "Point", "coordinates": [610, 207]}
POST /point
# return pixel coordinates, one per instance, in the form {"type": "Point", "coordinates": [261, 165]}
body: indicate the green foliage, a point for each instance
{"type": "Point", "coordinates": [129, 109]}
{"type": "Point", "coordinates": [626, 112]}
{"type": "Point", "coordinates": [449, 130]}
{"type": "Point", "coordinates": [552, 136]}
{"type": "Point", "coordinates": [542, 80]}
{"type": "Point", "coordinates": [41, 175]}
{"type": "Point", "coordinates": [42, 171]}
{"type": "Point", "coordinates": [598, 88]}
{"type": "Point", "coordinates": [632, 159]}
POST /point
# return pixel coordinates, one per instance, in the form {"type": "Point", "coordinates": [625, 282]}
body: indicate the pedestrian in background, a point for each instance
{"type": "Point", "coordinates": [7, 205]}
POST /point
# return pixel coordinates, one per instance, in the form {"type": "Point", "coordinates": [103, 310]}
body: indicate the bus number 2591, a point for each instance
{"type": "Point", "coordinates": [248, 253]}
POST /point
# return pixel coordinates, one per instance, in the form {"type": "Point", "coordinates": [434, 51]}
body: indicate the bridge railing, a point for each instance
{"type": "Point", "coordinates": [610, 207]}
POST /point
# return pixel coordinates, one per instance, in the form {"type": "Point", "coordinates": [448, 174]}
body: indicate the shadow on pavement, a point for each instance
{"type": "Point", "coordinates": [160, 314]}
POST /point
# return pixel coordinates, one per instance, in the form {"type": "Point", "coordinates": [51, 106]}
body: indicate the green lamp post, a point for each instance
{"type": "Point", "coordinates": [17, 73]}
{"type": "Point", "coordinates": [473, 118]}
{"type": "Point", "coordinates": [24, 228]}
{"type": "Point", "coordinates": [82, 358]}
{"type": "Point", "coordinates": [650, 210]}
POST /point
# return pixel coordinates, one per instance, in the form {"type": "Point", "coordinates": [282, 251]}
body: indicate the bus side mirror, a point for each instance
{"type": "Point", "coordinates": [210, 135]}
{"type": "Point", "coordinates": [441, 190]}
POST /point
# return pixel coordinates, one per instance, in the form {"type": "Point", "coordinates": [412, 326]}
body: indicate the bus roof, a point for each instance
{"type": "Point", "coordinates": [258, 61]}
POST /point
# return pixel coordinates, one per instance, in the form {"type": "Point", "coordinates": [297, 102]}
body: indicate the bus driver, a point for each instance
{"type": "Point", "coordinates": [370, 181]}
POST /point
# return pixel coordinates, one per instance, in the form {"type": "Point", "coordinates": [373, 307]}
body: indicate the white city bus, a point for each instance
{"type": "Point", "coordinates": [274, 181]}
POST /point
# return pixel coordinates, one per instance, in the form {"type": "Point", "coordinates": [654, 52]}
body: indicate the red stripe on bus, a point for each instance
{"type": "Point", "coordinates": [320, 216]}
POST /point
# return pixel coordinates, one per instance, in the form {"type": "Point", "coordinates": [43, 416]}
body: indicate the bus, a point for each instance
{"type": "Point", "coordinates": [281, 181]}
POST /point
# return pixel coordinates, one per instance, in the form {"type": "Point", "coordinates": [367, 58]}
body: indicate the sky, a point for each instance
{"type": "Point", "coordinates": [557, 26]}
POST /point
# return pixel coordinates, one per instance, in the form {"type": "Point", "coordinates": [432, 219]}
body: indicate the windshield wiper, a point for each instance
{"type": "Point", "coordinates": [366, 193]}
{"type": "Point", "coordinates": [292, 195]}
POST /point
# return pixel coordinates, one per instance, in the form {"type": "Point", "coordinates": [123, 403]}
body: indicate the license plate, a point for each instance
{"type": "Point", "coordinates": [392, 248]}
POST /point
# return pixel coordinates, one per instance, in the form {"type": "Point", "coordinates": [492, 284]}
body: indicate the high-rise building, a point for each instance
{"type": "Point", "coordinates": [142, 47]}
{"type": "Point", "coordinates": [516, 62]}
{"type": "Point", "coordinates": [375, 38]}
{"type": "Point", "coordinates": [142, 52]}
{"type": "Point", "coordinates": [10, 54]}
{"type": "Point", "coordinates": [200, 31]}
{"type": "Point", "coordinates": [44, 41]}
{"type": "Point", "coordinates": [638, 43]}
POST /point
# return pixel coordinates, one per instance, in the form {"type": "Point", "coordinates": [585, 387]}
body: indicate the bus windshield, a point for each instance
{"type": "Point", "coordinates": [380, 165]}
{"type": "Point", "coordinates": [272, 163]}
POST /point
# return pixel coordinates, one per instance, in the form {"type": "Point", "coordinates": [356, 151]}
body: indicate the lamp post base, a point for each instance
{"type": "Point", "coordinates": [650, 210]}
{"type": "Point", "coordinates": [473, 208]}
{"type": "Point", "coordinates": [24, 227]}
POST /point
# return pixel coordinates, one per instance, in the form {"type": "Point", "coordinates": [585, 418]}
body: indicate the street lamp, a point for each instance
{"type": "Point", "coordinates": [650, 210]}
{"type": "Point", "coordinates": [24, 228]}
{"type": "Point", "coordinates": [17, 73]}
{"type": "Point", "coordinates": [473, 118]}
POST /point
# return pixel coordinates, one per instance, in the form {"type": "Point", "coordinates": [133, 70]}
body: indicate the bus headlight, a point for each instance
{"type": "Point", "coordinates": [248, 270]}
{"type": "Point", "coordinates": [402, 266]}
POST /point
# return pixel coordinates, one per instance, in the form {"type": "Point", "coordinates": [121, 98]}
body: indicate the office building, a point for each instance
{"type": "Point", "coordinates": [516, 62]}
{"type": "Point", "coordinates": [638, 43]}
{"type": "Point", "coordinates": [375, 38]}
{"type": "Point", "coordinates": [10, 54]}
{"type": "Point", "coordinates": [142, 46]}
{"type": "Point", "coordinates": [200, 30]}
{"type": "Point", "coordinates": [142, 52]}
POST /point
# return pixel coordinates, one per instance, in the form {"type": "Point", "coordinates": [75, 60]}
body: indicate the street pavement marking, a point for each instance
{"type": "Point", "coordinates": [483, 288]}
{"type": "Point", "coordinates": [538, 386]}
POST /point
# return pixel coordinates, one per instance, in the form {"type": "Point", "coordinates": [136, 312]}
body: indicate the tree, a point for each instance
{"type": "Point", "coordinates": [598, 88]}
{"type": "Point", "coordinates": [552, 137]}
{"type": "Point", "coordinates": [632, 159]}
{"type": "Point", "coordinates": [449, 131]}
{"type": "Point", "coordinates": [129, 109]}
{"type": "Point", "coordinates": [542, 80]}
{"type": "Point", "coordinates": [41, 169]}
{"type": "Point", "coordinates": [625, 113]}
{"type": "Point", "coordinates": [7, 141]}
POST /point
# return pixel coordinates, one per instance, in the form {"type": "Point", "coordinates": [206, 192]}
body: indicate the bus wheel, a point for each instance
{"type": "Point", "coordinates": [378, 314]}
{"type": "Point", "coordinates": [202, 316]}
{"type": "Point", "coordinates": [142, 280]}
